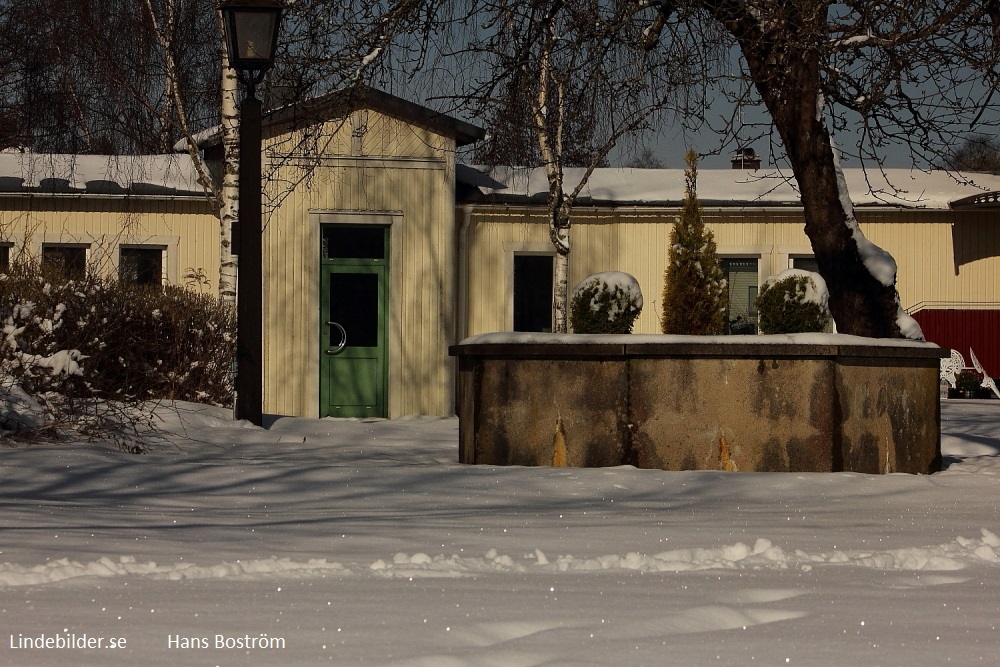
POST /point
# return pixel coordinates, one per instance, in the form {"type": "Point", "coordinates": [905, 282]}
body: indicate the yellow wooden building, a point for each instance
{"type": "Point", "coordinates": [380, 251]}
{"type": "Point", "coordinates": [359, 253]}
{"type": "Point", "coordinates": [359, 244]}
{"type": "Point", "coordinates": [143, 217]}
{"type": "Point", "coordinates": [943, 231]}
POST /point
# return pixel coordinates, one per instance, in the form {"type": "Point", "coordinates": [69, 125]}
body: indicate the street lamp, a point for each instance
{"type": "Point", "coordinates": [251, 38]}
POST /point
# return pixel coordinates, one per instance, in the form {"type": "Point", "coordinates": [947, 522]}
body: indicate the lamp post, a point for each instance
{"type": "Point", "coordinates": [251, 38]}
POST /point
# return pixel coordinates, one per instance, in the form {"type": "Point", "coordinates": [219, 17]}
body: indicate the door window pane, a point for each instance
{"type": "Point", "coordinates": [360, 242]}
{"type": "Point", "coordinates": [533, 293]}
{"type": "Point", "coordinates": [69, 260]}
{"type": "Point", "coordinates": [354, 305]}
{"type": "Point", "coordinates": [141, 266]}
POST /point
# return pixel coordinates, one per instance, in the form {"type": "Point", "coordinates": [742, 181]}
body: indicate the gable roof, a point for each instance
{"type": "Point", "coordinates": [906, 188]}
{"type": "Point", "coordinates": [339, 103]}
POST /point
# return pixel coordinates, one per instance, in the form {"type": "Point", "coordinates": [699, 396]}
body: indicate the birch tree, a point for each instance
{"type": "Point", "coordinates": [584, 84]}
{"type": "Point", "coordinates": [161, 15]}
{"type": "Point", "coordinates": [229, 191]}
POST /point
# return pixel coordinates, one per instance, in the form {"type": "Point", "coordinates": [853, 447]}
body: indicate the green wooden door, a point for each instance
{"type": "Point", "coordinates": [354, 300]}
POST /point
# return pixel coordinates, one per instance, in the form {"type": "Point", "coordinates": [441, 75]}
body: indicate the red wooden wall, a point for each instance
{"type": "Point", "coordinates": [962, 329]}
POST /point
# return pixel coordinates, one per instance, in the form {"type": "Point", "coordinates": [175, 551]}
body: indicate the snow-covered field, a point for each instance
{"type": "Point", "coordinates": [354, 543]}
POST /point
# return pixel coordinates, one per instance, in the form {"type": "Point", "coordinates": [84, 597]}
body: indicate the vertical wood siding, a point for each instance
{"type": "Point", "coordinates": [356, 179]}
{"type": "Point", "coordinates": [942, 256]}
{"type": "Point", "coordinates": [187, 227]}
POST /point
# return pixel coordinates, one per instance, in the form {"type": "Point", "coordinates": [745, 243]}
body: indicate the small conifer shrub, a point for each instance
{"type": "Point", "coordinates": [695, 294]}
{"type": "Point", "coordinates": [793, 302]}
{"type": "Point", "coordinates": [606, 303]}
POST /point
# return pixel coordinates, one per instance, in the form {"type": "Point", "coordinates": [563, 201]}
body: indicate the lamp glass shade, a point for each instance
{"type": "Point", "coordinates": [252, 36]}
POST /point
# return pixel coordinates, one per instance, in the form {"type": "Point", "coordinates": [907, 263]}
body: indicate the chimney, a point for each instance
{"type": "Point", "coordinates": [746, 158]}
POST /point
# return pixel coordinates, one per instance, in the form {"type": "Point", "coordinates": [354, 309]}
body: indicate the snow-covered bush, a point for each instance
{"type": "Point", "coordinates": [695, 295]}
{"type": "Point", "coordinates": [82, 354]}
{"type": "Point", "coordinates": [794, 301]}
{"type": "Point", "coordinates": [605, 303]}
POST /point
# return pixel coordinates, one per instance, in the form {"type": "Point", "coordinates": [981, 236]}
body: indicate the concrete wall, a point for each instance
{"type": "Point", "coordinates": [697, 405]}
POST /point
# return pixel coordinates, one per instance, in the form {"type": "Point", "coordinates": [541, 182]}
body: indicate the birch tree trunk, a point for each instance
{"type": "Point", "coordinates": [560, 278]}
{"type": "Point", "coordinates": [566, 75]}
{"type": "Point", "coordinates": [169, 80]}
{"type": "Point", "coordinates": [229, 195]}
{"type": "Point", "coordinates": [212, 191]}
{"type": "Point", "coordinates": [548, 131]}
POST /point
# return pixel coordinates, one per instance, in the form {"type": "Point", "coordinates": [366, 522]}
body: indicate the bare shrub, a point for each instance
{"type": "Point", "coordinates": [86, 354]}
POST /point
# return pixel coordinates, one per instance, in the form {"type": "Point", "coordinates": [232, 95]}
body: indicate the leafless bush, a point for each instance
{"type": "Point", "coordinates": [85, 355]}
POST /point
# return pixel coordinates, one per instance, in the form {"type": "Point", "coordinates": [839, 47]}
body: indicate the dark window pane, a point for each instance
{"type": "Point", "coordinates": [71, 261]}
{"type": "Point", "coordinates": [805, 264]}
{"type": "Point", "coordinates": [354, 305]}
{"type": "Point", "coordinates": [141, 266]}
{"type": "Point", "coordinates": [362, 242]}
{"type": "Point", "coordinates": [4, 257]}
{"type": "Point", "coordinates": [533, 293]}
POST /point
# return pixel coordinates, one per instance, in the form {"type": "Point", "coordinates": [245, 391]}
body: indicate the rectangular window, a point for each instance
{"type": "Point", "coordinates": [742, 276]}
{"type": "Point", "coordinates": [354, 305]}
{"type": "Point", "coordinates": [359, 242]}
{"type": "Point", "coordinates": [805, 264]}
{"type": "Point", "coordinates": [141, 265]}
{"type": "Point", "coordinates": [4, 257]}
{"type": "Point", "coordinates": [69, 260]}
{"type": "Point", "coordinates": [533, 293]}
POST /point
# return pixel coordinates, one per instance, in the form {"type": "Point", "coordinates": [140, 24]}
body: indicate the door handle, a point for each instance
{"type": "Point", "coordinates": [343, 338]}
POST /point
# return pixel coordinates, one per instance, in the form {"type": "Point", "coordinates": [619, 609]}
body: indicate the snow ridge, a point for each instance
{"type": "Point", "coordinates": [763, 554]}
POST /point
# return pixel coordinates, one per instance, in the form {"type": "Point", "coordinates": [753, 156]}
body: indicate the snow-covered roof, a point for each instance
{"type": "Point", "coordinates": [725, 187]}
{"type": "Point", "coordinates": [148, 175]}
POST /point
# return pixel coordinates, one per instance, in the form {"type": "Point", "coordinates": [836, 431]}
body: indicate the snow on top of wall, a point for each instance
{"type": "Point", "coordinates": [98, 174]}
{"type": "Point", "coordinates": [636, 339]}
{"type": "Point", "coordinates": [764, 187]}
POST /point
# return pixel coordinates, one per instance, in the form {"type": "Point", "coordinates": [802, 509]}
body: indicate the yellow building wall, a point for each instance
{"type": "Point", "coordinates": [373, 169]}
{"type": "Point", "coordinates": [942, 256]}
{"type": "Point", "coordinates": [185, 227]}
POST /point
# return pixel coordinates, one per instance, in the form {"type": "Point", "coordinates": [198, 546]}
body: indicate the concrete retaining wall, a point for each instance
{"type": "Point", "coordinates": [808, 403]}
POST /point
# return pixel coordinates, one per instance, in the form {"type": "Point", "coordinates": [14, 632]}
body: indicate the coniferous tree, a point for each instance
{"type": "Point", "coordinates": [695, 298]}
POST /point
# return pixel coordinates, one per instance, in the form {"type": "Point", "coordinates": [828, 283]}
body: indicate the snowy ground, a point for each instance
{"type": "Point", "coordinates": [365, 543]}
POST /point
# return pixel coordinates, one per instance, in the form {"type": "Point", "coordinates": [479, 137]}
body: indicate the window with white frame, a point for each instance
{"type": "Point", "coordinates": [533, 292]}
{"type": "Point", "coordinates": [141, 265]}
{"type": "Point", "coordinates": [68, 259]}
{"type": "Point", "coordinates": [5, 257]}
{"type": "Point", "coordinates": [742, 276]}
